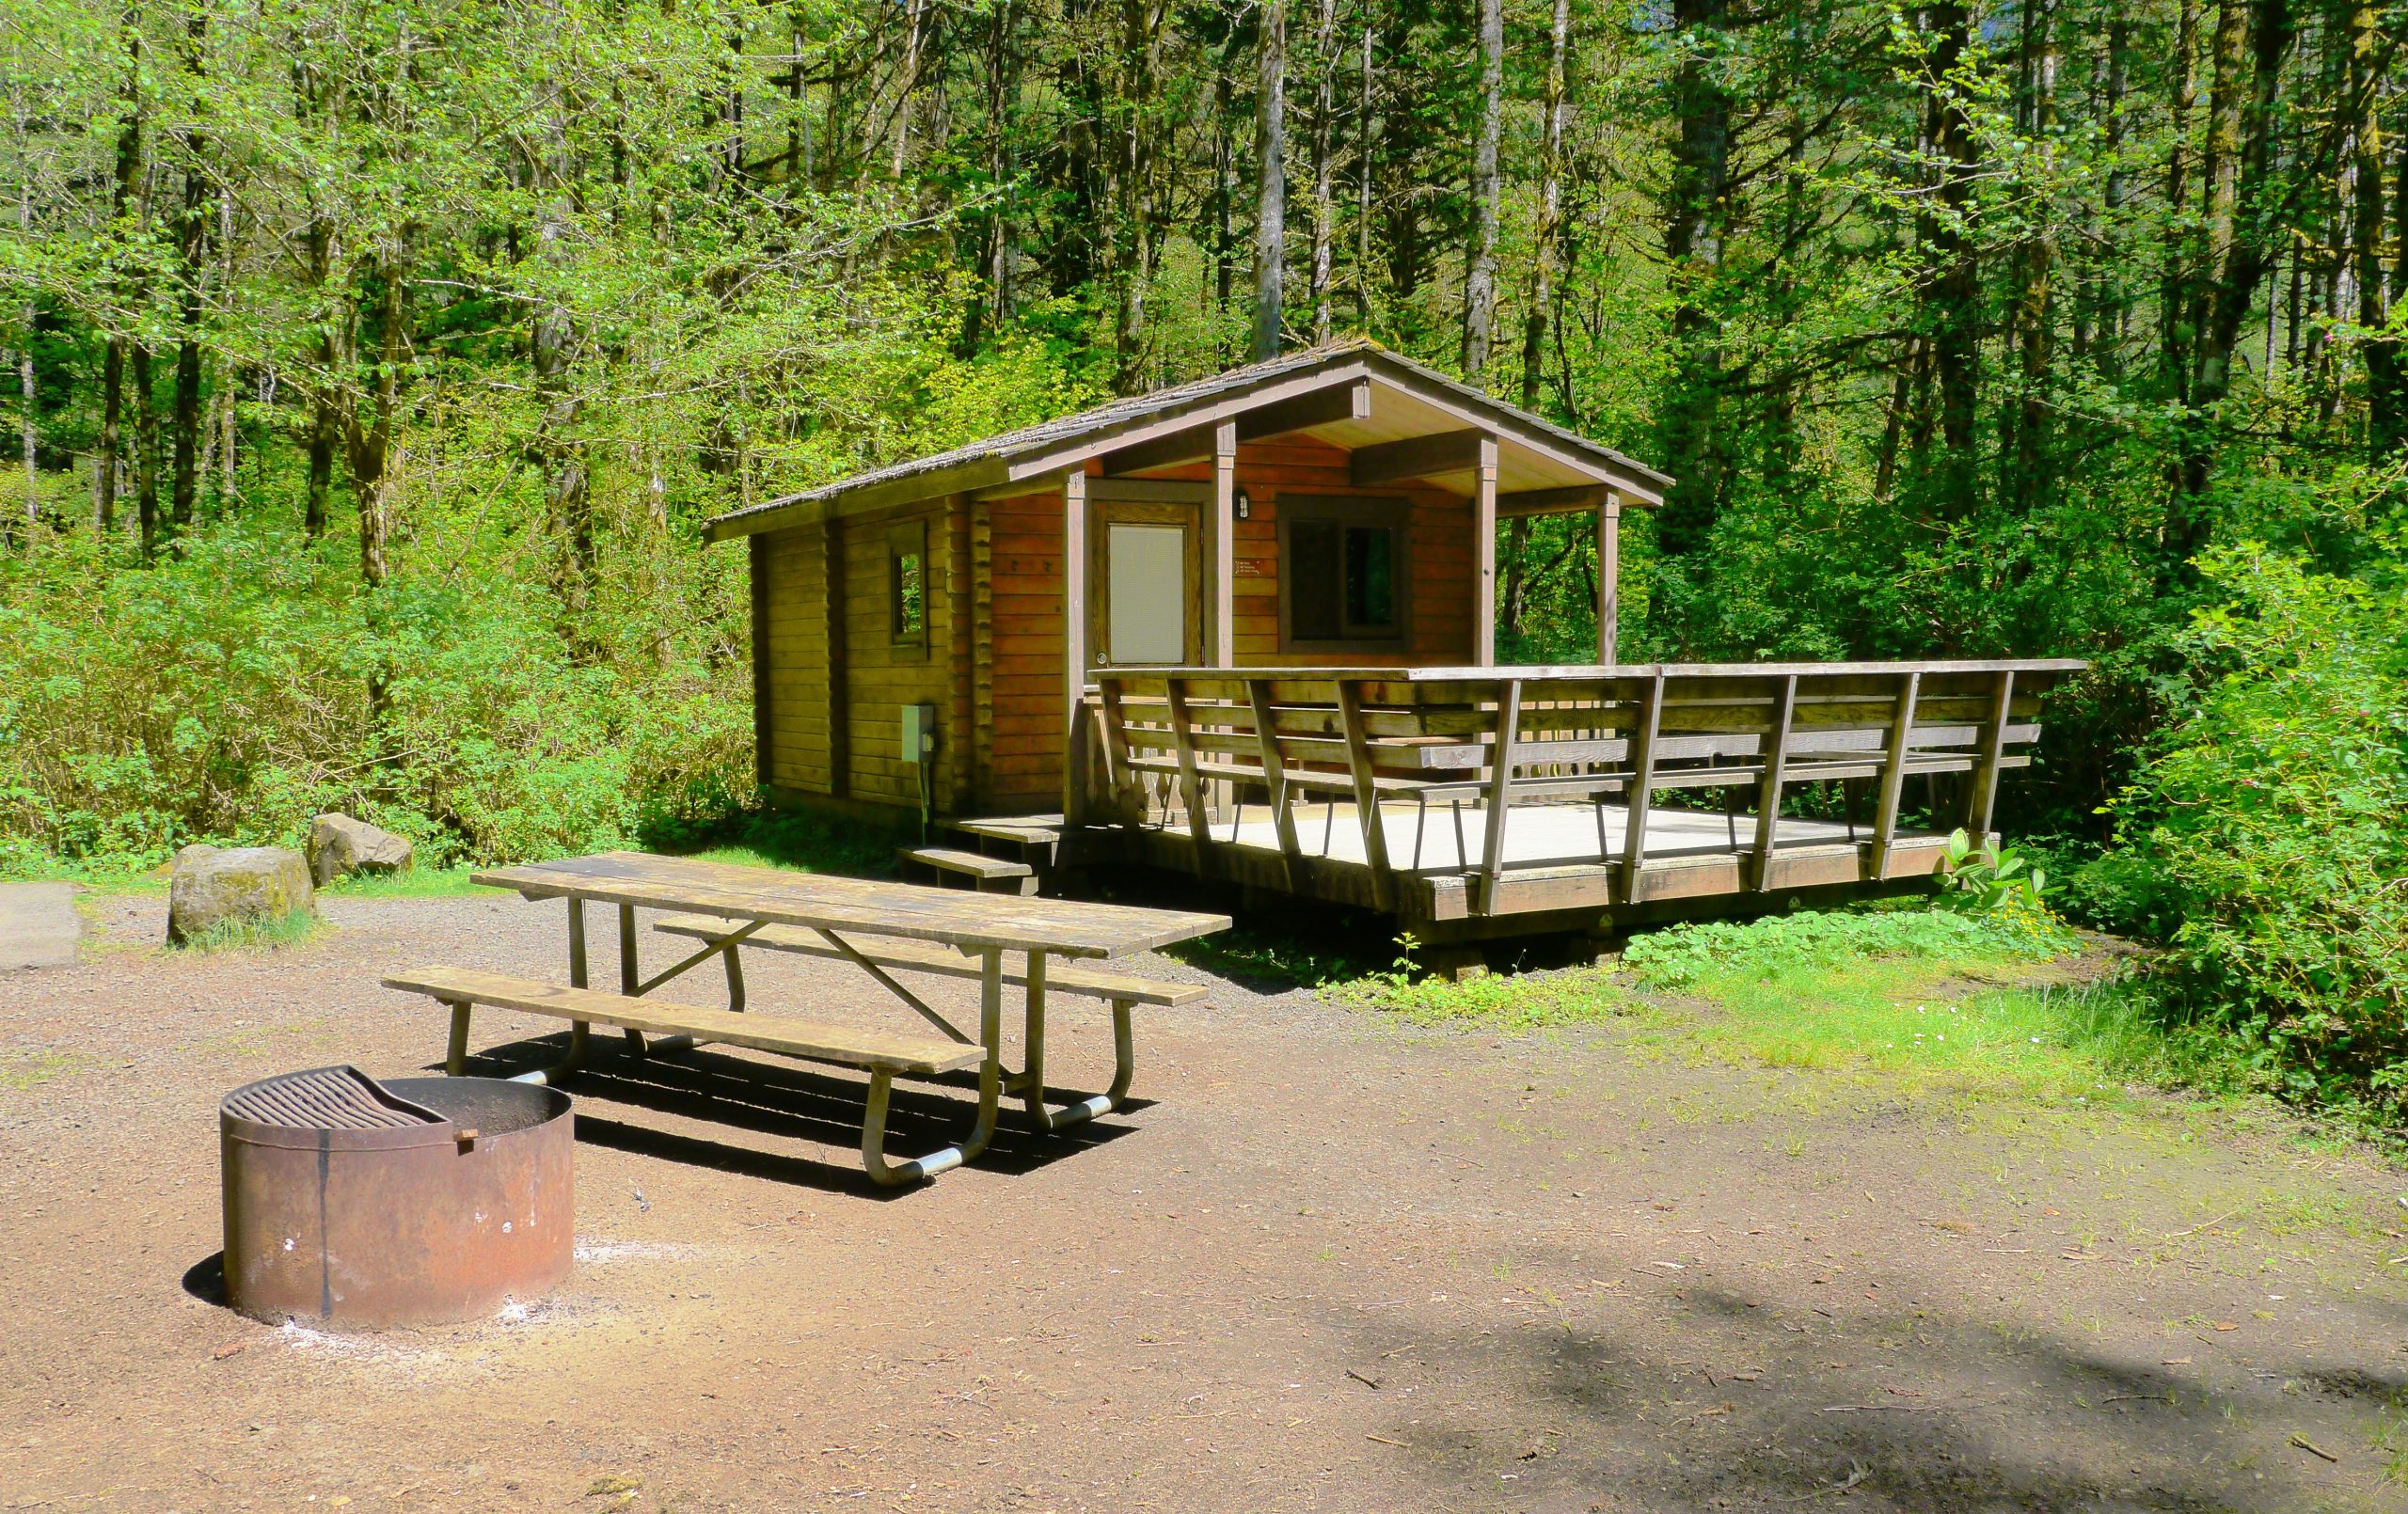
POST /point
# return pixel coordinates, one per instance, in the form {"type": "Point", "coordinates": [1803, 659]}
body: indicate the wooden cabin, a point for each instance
{"type": "Point", "coordinates": [1245, 628]}
{"type": "Point", "coordinates": [1334, 507]}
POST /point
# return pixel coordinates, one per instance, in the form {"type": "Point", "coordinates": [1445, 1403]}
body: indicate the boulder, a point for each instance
{"type": "Point", "coordinates": [211, 888]}
{"type": "Point", "coordinates": [340, 846]}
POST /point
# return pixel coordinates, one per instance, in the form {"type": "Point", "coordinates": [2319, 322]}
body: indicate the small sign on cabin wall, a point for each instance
{"type": "Point", "coordinates": [1257, 567]}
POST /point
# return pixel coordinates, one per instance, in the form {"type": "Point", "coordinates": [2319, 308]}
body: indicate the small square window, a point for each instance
{"type": "Point", "coordinates": [1341, 573]}
{"type": "Point", "coordinates": [906, 584]}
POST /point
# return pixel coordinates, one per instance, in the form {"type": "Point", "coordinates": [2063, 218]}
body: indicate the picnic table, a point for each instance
{"type": "Point", "coordinates": [883, 928]}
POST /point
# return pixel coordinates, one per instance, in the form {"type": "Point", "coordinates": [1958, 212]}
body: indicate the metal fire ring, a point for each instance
{"type": "Point", "coordinates": [358, 1203]}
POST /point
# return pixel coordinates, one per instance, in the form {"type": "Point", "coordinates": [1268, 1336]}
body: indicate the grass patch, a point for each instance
{"type": "Point", "coordinates": [282, 934]}
{"type": "Point", "coordinates": [1512, 1002]}
{"type": "Point", "coordinates": [1914, 997]}
{"type": "Point", "coordinates": [22, 1070]}
{"type": "Point", "coordinates": [798, 840]}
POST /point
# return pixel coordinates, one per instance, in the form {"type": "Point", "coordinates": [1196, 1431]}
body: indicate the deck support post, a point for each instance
{"type": "Point", "coordinates": [1117, 781]}
{"type": "Point", "coordinates": [1642, 778]}
{"type": "Point", "coordinates": [1191, 784]}
{"type": "Point", "coordinates": [1367, 793]}
{"type": "Point", "coordinates": [1074, 641]}
{"type": "Point", "coordinates": [1500, 792]}
{"type": "Point", "coordinates": [1484, 516]}
{"type": "Point", "coordinates": [1220, 551]}
{"type": "Point", "coordinates": [1981, 784]}
{"type": "Point", "coordinates": [1275, 774]}
{"type": "Point", "coordinates": [1776, 762]}
{"type": "Point", "coordinates": [1893, 774]}
{"type": "Point", "coordinates": [1608, 577]}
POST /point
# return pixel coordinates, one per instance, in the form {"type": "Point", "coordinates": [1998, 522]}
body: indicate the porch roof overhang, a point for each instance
{"type": "Point", "coordinates": [1401, 421]}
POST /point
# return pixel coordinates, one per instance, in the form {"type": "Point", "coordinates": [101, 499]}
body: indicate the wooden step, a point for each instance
{"type": "Point", "coordinates": [842, 1044]}
{"type": "Point", "coordinates": [1026, 830]}
{"type": "Point", "coordinates": [993, 874]}
{"type": "Point", "coordinates": [942, 961]}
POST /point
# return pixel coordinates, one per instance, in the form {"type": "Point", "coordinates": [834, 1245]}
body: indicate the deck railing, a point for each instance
{"type": "Point", "coordinates": [1179, 746]}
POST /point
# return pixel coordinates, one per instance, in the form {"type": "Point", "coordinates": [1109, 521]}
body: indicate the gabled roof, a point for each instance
{"type": "Point", "coordinates": [1398, 402]}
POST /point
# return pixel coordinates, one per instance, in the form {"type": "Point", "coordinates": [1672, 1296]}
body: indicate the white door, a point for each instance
{"type": "Point", "coordinates": [1147, 593]}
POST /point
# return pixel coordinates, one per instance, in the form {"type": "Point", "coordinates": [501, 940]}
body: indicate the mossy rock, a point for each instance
{"type": "Point", "coordinates": [212, 891]}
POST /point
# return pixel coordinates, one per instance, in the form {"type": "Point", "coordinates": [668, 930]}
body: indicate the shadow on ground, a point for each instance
{"type": "Point", "coordinates": [1762, 1406]}
{"type": "Point", "coordinates": [785, 1104]}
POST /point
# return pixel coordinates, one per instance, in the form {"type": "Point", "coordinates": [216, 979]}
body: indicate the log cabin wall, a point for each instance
{"type": "Point", "coordinates": [1020, 651]}
{"type": "Point", "coordinates": [881, 677]}
{"type": "Point", "coordinates": [790, 662]}
{"type": "Point", "coordinates": [832, 679]}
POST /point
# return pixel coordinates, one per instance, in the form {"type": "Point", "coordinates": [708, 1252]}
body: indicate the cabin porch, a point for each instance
{"type": "Point", "coordinates": [1476, 802]}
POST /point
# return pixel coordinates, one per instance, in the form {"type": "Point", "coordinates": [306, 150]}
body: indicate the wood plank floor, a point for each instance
{"type": "Point", "coordinates": [1450, 839]}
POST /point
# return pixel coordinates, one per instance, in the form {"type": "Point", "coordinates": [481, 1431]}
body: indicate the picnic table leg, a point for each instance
{"type": "Point", "coordinates": [991, 1088]}
{"type": "Point", "coordinates": [455, 1058]}
{"type": "Point", "coordinates": [1032, 1078]}
{"type": "Point", "coordinates": [628, 977]}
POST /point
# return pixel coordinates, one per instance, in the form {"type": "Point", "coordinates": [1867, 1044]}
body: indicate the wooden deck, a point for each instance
{"type": "Point", "coordinates": [1624, 794]}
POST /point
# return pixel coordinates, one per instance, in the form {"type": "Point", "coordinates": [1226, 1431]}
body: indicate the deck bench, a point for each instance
{"type": "Point", "coordinates": [881, 1053]}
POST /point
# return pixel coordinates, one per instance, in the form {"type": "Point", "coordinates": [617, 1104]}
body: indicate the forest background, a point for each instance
{"type": "Point", "coordinates": [372, 364]}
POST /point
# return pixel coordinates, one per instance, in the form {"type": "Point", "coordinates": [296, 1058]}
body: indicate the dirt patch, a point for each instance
{"type": "Point", "coordinates": [1329, 1262]}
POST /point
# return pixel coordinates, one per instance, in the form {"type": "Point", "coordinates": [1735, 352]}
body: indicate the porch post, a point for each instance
{"type": "Point", "coordinates": [1074, 639]}
{"type": "Point", "coordinates": [1220, 551]}
{"type": "Point", "coordinates": [1608, 576]}
{"type": "Point", "coordinates": [1483, 605]}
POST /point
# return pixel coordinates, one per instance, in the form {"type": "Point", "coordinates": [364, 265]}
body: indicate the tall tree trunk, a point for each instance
{"type": "Point", "coordinates": [1141, 29]}
{"type": "Point", "coordinates": [371, 414]}
{"type": "Point", "coordinates": [124, 183]}
{"type": "Point", "coordinates": [1223, 200]}
{"type": "Point", "coordinates": [1271, 180]}
{"type": "Point", "coordinates": [1480, 274]}
{"type": "Point", "coordinates": [1547, 239]}
{"type": "Point", "coordinates": [191, 246]}
{"type": "Point", "coordinates": [915, 24]}
{"type": "Point", "coordinates": [2034, 315]}
{"type": "Point", "coordinates": [995, 260]}
{"type": "Point", "coordinates": [2112, 307]}
{"type": "Point", "coordinates": [1366, 148]}
{"type": "Point", "coordinates": [1954, 308]}
{"type": "Point", "coordinates": [146, 450]}
{"type": "Point", "coordinates": [25, 387]}
{"type": "Point", "coordinates": [1324, 77]}
{"type": "Point", "coordinates": [1544, 243]}
{"type": "Point", "coordinates": [105, 451]}
{"type": "Point", "coordinates": [2386, 397]}
{"type": "Point", "coordinates": [2173, 316]}
{"type": "Point", "coordinates": [2252, 39]}
{"type": "Point", "coordinates": [554, 343]}
{"type": "Point", "coordinates": [1696, 215]}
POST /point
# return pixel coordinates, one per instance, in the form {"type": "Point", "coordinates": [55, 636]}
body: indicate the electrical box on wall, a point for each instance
{"type": "Point", "coordinates": [919, 732]}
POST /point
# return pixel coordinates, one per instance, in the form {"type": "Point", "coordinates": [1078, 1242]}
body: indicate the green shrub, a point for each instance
{"type": "Point", "coordinates": [2266, 841]}
{"type": "Point", "coordinates": [221, 695]}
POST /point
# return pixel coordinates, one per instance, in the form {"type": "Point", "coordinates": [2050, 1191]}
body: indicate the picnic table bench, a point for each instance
{"type": "Point", "coordinates": [881, 927]}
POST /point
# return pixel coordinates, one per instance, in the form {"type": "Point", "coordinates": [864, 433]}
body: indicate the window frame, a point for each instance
{"type": "Point", "coordinates": [1392, 512]}
{"type": "Point", "coordinates": [907, 539]}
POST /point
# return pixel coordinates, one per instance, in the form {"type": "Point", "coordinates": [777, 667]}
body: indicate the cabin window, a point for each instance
{"type": "Point", "coordinates": [906, 584]}
{"type": "Point", "coordinates": [1342, 573]}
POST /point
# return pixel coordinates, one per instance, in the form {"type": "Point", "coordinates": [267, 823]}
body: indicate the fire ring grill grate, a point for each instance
{"type": "Point", "coordinates": [358, 1203]}
{"type": "Point", "coordinates": [326, 1098]}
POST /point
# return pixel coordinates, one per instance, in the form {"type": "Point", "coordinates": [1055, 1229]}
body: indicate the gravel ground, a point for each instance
{"type": "Point", "coordinates": [1326, 1262]}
